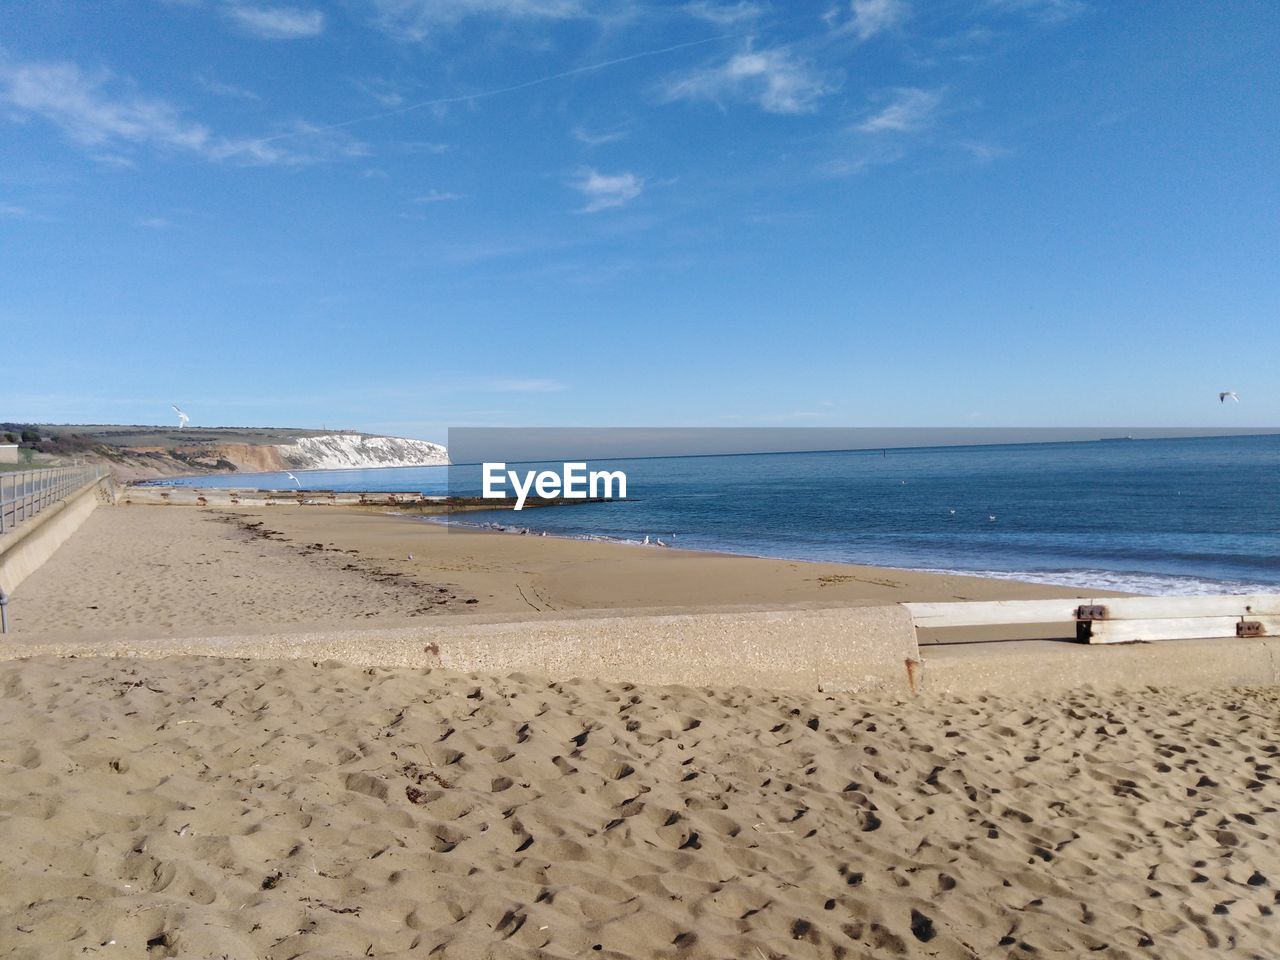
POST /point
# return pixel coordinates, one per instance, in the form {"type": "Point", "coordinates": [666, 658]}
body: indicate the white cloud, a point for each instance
{"type": "Point", "coordinates": [278, 23]}
{"type": "Point", "coordinates": [226, 89]}
{"type": "Point", "coordinates": [982, 151]}
{"type": "Point", "coordinates": [299, 143]}
{"type": "Point", "coordinates": [437, 196]}
{"type": "Point", "coordinates": [876, 153]}
{"type": "Point", "coordinates": [1046, 11]}
{"type": "Point", "coordinates": [774, 79]}
{"type": "Point", "coordinates": [416, 19]}
{"type": "Point", "coordinates": [383, 91]}
{"type": "Point", "coordinates": [63, 94]}
{"type": "Point", "coordinates": [598, 139]}
{"type": "Point", "coordinates": [426, 146]}
{"type": "Point", "coordinates": [154, 223]}
{"type": "Point", "coordinates": [875, 16]}
{"type": "Point", "coordinates": [724, 14]}
{"type": "Point", "coordinates": [90, 113]}
{"type": "Point", "coordinates": [604, 191]}
{"type": "Point", "coordinates": [13, 210]}
{"type": "Point", "coordinates": [910, 109]}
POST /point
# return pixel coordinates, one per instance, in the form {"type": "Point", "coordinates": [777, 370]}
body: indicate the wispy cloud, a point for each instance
{"type": "Point", "coordinates": [437, 196]}
{"type": "Point", "coordinates": [314, 144]}
{"type": "Point", "coordinates": [107, 116]}
{"type": "Point", "coordinates": [419, 146]}
{"type": "Point", "coordinates": [154, 223]}
{"type": "Point", "coordinates": [875, 153]}
{"type": "Point", "coordinates": [523, 385]}
{"type": "Point", "coordinates": [74, 101]}
{"type": "Point", "coordinates": [225, 89]}
{"type": "Point", "coordinates": [910, 109]}
{"type": "Point", "coordinates": [870, 17]}
{"type": "Point", "coordinates": [776, 80]}
{"type": "Point", "coordinates": [724, 14]}
{"type": "Point", "coordinates": [604, 191]}
{"type": "Point", "coordinates": [13, 210]}
{"type": "Point", "coordinates": [383, 91]}
{"type": "Point", "coordinates": [418, 19]}
{"type": "Point", "coordinates": [982, 151]}
{"type": "Point", "coordinates": [585, 136]}
{"type": "Point", "coordinates": [277, 23]}
{"type": "Point", "coordinates": [1046, 11]}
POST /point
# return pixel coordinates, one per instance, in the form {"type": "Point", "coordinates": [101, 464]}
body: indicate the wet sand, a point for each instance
{"type": "Point", "coordinates": [169, 570]}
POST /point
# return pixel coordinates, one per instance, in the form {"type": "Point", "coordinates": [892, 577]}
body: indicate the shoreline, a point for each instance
{"type": "Point", "coordinates": [242, 568]}
{"type": "Point", "coordinates": [1193, 584]}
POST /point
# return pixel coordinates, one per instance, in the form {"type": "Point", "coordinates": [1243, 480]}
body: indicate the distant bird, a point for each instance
{"type": "Point", "coordinates": [292, 477]}
{"type": "Point", "coordinates": [646, 539]}
{"type": "Point", "coordinates": [182, 417]}
{"type": "Point", "coordinates": [991, 518]}
{"type": "Point", "coordinates": [660, 543]}
{"type": "Point", "coordinates": [952, 512]}
{"type": "Point", "coordinates": [1222, 397]}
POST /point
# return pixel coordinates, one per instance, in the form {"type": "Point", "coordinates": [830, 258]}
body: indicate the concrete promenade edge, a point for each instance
{"type": "Point", "coordinates": [860, 649]}
{"type": "Point", "coordinates": [25, 548]}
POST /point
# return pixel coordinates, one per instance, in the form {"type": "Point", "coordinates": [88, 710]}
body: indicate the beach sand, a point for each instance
{"type": "Point", "coordinates": [226, 808]}
{"type": "Point", "coordinates": [236, 808]}
{"type": "Point", "coordinates": [168, 570]}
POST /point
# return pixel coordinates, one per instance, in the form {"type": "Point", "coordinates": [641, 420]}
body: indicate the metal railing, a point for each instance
{"type": "Point", "coordinates": [24, 493]}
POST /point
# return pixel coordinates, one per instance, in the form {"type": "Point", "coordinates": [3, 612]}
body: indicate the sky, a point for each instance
{"type": "Point", "coordinates": [402, 216]}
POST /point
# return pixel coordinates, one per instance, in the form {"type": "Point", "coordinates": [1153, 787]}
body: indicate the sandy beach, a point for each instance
{"type": "Point", "coordinates": [159, 571]}
{"type": "Point", "coordinates": [222, 808]}
{"type": "Point", "coordinates": [215, 807]}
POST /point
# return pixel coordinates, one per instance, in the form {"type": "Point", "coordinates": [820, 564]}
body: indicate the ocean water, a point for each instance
{"type": "Point", "coordinates": [1153, 516]}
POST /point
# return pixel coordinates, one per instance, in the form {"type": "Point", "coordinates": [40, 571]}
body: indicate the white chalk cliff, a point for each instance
{"type": "Point", "coordinates": [339, 451]}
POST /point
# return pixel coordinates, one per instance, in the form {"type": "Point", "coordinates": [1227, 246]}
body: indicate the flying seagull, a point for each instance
{"type": "Point", "coordinates": [292, 477]}
{"type": "Point", "coordinates": [1222, 397]}
{"type": "Point", "coordinates": [182, 417]}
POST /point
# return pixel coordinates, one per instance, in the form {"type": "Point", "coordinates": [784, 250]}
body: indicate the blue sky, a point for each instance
{"type": "Point", "coordinates": [407, 215]}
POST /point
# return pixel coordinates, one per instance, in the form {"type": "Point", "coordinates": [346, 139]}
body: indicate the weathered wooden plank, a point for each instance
{"type": "Point", "coordinates": [964, 613]}
{"type": "Point", "coordinates": [967, 613]}
{"type": "Point", "coordinates": [1167, 628]}
{"type": "Point", "coordinates": [1159, 608]}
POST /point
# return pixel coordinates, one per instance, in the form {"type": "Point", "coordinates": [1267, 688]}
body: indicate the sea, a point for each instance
{"type": "Point", "coordinates": [1167, 516]}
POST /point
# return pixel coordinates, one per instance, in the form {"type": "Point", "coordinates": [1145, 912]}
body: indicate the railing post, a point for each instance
{"type": "Point", "coordinates": [24, 493]}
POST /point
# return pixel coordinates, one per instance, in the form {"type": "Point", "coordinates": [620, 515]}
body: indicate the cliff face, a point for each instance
{"type": "Point", "coordinates": [346, 450]}
{"type": "Point", "coordinates": [245, 457]}
{"type": "Point", "coordinates": [325, 452]}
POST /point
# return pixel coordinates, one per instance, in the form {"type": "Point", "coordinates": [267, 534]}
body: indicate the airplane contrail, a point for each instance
{"type": "Point", "coordinates": [498, 91]}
